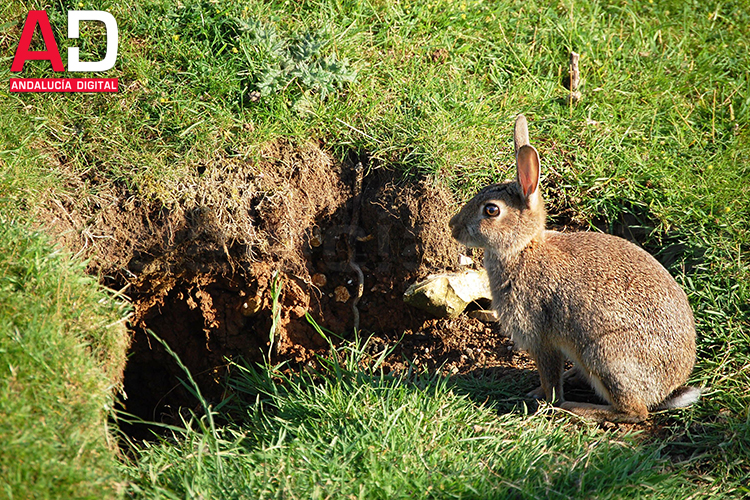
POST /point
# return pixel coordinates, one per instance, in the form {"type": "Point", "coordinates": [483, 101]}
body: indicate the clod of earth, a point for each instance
{"type": "Point", "coordinates": [319, 279]}
{"type": "Point", "coordinates": [341, 294]}
{"type": "Point", "coordinates": [447, 295]}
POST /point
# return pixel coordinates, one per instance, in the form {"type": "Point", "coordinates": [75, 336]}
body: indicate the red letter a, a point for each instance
{"type": "Point", "coordinates": [23, 53]}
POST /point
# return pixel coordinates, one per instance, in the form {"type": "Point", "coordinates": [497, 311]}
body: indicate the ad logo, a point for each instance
{"type": "Point", "coordinates": [52, 54]}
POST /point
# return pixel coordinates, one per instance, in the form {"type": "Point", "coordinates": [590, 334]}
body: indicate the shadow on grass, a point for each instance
{"type": "Point", "coordinates": [525, 453]}
{"type": "Point", "coordinates": [694, 441]}
{"type": "Point", "coordinates": [346, 426]}
{"type": "Point", "coordinates": [506, 389]}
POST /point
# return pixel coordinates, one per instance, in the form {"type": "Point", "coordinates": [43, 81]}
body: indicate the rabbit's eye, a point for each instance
{"type": "Point", "coordinates": [491, 210]}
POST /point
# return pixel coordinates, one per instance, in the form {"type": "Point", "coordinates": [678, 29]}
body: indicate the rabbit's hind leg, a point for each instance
{"type": "Point", "coordinates": [624, 407]}
{"type": "Point", "coordinates": [576, 377]}
{"type": "Point", "coordinates": [605, 413]}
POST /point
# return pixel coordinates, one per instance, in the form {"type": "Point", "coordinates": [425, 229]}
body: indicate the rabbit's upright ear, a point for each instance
{"type": "Point", "coordinates": [528, 170]}
{"type": "Point", "coordinates": [520, 133]}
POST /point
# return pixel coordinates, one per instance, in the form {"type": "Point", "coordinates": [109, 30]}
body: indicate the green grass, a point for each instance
{"type": "Point", "coordinates": [431, 89]}
{"type": "Point", "coordinates": [61, 356]}
{"type": "Point", "coordinates": [345, 432]}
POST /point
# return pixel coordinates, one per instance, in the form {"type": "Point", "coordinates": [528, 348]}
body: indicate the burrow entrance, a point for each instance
{"type": "Point", "coordinates": [202, 270]}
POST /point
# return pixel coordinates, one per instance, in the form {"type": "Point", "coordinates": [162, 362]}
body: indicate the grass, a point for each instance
{"type": "Point", "coordinates": [62, 350]}
{"type": "Point", "coordinates": [430, 89]}
{"type": "Point", "coordinates": [347, 432]}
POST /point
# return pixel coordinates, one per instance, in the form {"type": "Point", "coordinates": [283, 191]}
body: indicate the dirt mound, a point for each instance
{"type": "Point", "coordinates": [205, 265]}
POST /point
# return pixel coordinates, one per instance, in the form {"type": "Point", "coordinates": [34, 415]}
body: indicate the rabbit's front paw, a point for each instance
{"type": "Point", "coordinates": [537, 393]}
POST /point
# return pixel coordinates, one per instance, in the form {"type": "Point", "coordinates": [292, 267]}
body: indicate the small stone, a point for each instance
{"type": "Point", "coordinates": [464, 260]}
{"type": "Point", "coordinates": [319, 279]}
{"type": "Point", "coordinates": [251, 306]}
{"type": "Point", "coordinates": [317, 238]}
{"type": "Point", "coordinates": [447, 295]}
{"type": "Point", "coordinates": [341, 294]}
{"type": "Point", "coordinates": [483, 315]}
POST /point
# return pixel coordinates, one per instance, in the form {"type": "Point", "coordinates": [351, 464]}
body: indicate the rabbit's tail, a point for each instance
{"type": "Point", "coordinates": [681, 397]}
{"type": "Point", "coordinates": [521, 133]}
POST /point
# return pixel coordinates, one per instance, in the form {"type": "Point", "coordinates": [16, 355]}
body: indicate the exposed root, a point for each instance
{"type": "Point", "coordinates": [357, 202]}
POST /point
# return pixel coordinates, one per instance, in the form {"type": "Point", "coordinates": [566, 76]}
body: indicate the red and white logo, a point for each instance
{"type": "Point", "coordinates": [52, 54]}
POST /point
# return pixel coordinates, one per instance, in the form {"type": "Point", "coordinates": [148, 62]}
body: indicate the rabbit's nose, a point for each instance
{"type": "Point", "coordinates": [453, 221]}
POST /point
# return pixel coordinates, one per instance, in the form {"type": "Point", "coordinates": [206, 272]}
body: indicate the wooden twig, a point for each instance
{"type": "Point", "coordinates": [575, 78]}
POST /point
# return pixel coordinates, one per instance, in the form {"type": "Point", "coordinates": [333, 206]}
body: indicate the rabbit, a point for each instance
{"type": "Point", "coordinates": [595, 299]}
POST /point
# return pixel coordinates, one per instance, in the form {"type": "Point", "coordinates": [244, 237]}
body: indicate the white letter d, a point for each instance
{"type": "Point", "coordinates": [74, 18]}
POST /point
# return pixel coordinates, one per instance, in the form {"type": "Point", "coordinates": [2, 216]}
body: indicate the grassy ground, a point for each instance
{"type": "Point", "coordinates": [61, 354]}
{"type": "Point", "coordinates": [344, 432]}
{"type": "Point", "coordinates": [662, 135]}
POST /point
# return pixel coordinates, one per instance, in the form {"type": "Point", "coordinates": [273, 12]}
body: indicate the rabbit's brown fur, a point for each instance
{"type": "Point", "coordinates": [595, 299]}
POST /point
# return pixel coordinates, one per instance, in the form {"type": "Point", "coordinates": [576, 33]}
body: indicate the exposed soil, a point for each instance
{"type": "Point", "coordinates": [200, 269]}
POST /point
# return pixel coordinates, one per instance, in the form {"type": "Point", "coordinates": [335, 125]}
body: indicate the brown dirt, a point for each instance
{"type": "Point", "coordinates": [199, 266]}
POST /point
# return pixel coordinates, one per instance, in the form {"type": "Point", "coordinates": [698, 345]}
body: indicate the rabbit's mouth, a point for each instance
{"type": "Point", "coordinates": [463, 236]}
{"type": "Point", "coordinates": [456, 233]}
{"type": "Point", "coordinates": [455, 230]}
{"type": "Point", "coordinates": [462, 233]}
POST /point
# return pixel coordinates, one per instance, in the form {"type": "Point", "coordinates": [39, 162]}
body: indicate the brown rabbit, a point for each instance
{"type": "Point", "coordinates": [595, 299]}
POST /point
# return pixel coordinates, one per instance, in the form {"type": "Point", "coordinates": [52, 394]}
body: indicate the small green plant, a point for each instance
{"type": "Point", "coordinates": [276, 62]}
